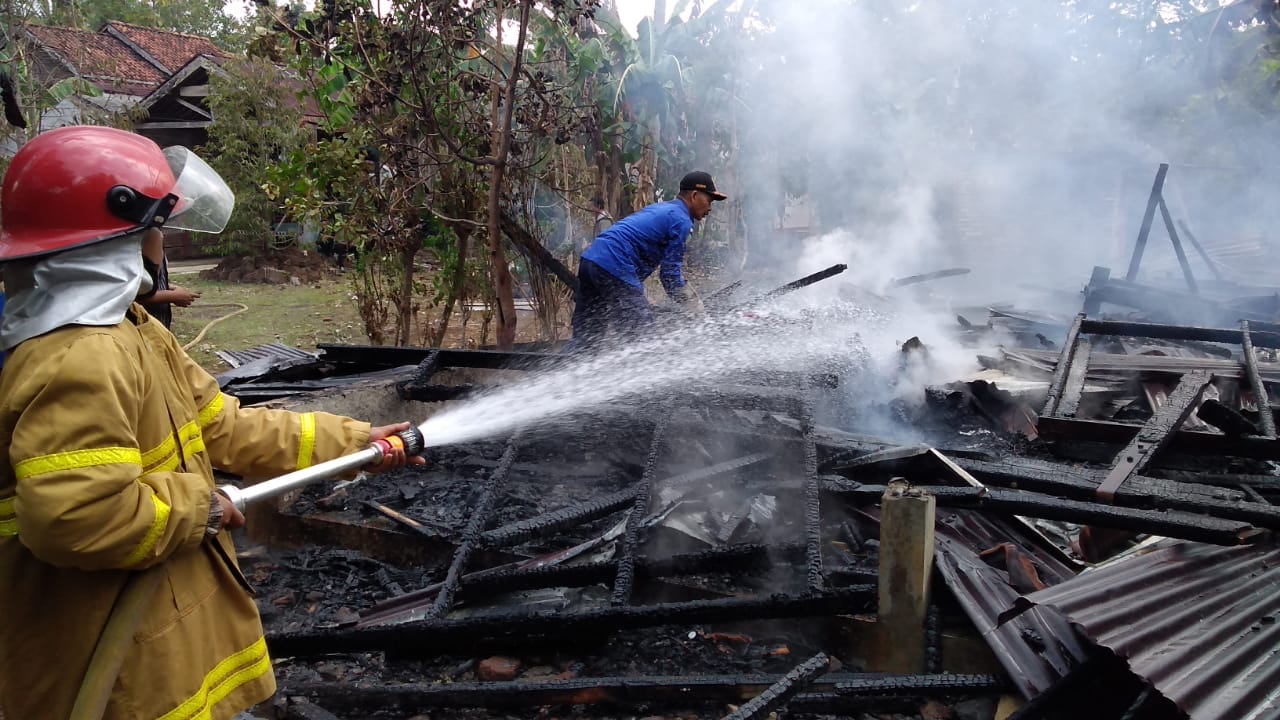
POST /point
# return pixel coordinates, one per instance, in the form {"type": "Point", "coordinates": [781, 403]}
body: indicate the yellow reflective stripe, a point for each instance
{"type": "Point", "coordinates": [158, 524]}
{"type": "Point", "coordinates": [8, 517]}
{"type": "Point", "coordinates": [76, 460]}
{"type": "Point", "coordinates": [163, 451]}
{"type": "Point", "coordinates": [211, 411]}
{"type": "Point", "coordinates": [307, 443]}
{"type": "Point", "coordinates": [243, 667]}
{"type": "Point", "coordinates": [165, 457]}
{"type": "Point", "coordinates": [190, 449]}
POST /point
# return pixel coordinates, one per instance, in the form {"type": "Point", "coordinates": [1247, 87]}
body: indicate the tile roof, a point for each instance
{"type": "Point", "coordinates": [113, 65]}
{"type": "Point", "coordinates": [172, 49]}
{"type": "Point", "coordinates": [97, 57]}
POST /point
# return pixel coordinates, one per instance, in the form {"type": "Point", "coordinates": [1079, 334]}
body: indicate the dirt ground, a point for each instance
{"type": "Point", "coordinates": [300, 300]}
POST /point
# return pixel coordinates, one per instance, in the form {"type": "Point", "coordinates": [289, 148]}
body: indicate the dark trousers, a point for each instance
{"type": "Point", "coordinates": [602, 301]}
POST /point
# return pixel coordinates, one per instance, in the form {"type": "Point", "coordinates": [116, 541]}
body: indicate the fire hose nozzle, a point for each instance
{"type": "Point", "coordinates": [411, 440]}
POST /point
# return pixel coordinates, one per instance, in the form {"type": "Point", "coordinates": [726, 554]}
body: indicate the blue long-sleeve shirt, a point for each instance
{"type": "Point", "coordinates": [632, 248]}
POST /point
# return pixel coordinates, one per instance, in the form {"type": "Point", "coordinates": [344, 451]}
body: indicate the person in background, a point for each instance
{"type": "Point", "coordinates": [603, 219]}
{"type": "Point", "coordinates": [159, 301]}
{"type": "Point", "coordinates": [109, 436]}
{"type": "Point", "coordinates": [612, 271]}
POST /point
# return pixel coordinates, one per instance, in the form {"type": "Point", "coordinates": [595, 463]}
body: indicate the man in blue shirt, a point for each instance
{"type": "Point", "coordinates": [612, 271]}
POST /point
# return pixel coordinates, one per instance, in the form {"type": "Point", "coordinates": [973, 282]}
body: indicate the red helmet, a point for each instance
{"type": "Point", "coordinates": [81, 185]}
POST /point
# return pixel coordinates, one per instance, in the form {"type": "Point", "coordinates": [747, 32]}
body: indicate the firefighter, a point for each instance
{"type": "Point", "coordinates": [612, 271]}
{"type": "Point", "coordinates": [109, 435]}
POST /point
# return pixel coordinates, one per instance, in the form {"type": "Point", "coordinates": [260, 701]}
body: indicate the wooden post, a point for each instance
{"type": "Point", "coordinates": [906, 566]}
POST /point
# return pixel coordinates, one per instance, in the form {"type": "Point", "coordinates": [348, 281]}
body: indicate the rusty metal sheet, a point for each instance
{"type": "Point", "coordinates": [1036, 648]}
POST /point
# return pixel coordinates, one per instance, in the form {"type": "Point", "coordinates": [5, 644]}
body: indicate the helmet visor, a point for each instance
{"type": "Point", "coordinates": [204, 200]}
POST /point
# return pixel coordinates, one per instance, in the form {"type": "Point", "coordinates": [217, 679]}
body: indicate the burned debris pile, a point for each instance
{"type": "Point", "coordinates": [1080, 525]}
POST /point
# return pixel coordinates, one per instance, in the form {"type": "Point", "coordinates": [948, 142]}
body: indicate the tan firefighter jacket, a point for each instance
{"type": "Point", "coordinates": [108, 438]}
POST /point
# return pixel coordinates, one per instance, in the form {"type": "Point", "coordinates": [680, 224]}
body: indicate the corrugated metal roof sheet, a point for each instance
{"type": "Point", "coordinates": [1200, 622]}
{"type": "Point", "coordinates": [1036, 648]}
{"type": "Point", "coordinates": [274, 351]}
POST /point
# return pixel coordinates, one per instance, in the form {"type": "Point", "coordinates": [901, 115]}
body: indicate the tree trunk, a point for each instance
{"type": "Point", "coordinates": [502, 115]}
{"type": "Point", "coordinates": [646, 190]}
{"type": "Point", "coordinates": [404, 324]}
{"type": "Point", "coordinates": [537, 253]}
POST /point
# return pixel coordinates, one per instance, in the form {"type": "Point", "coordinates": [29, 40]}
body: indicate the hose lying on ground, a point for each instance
{"type": "Point", "coordinates": [215, 321]}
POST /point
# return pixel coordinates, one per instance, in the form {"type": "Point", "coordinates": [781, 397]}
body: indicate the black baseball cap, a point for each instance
{"type": "Point", "coordinates": [698, 180]}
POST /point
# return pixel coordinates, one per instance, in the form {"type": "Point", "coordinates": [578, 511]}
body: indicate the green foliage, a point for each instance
{"type": "Point", "coordinates": [256, 124]}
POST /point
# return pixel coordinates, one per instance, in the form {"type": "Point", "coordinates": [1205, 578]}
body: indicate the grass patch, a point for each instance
{"type": "Point", "coordinates": [301, 316]}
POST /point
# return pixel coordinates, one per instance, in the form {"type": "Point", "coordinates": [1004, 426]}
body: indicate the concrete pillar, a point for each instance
{"type": "Point", "coordinates": [906, 566]}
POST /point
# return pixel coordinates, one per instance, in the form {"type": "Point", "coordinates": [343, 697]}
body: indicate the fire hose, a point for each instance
{"type": "Point", "coordinates": [411, 441]}
{"type": "Point", "coordinates": [139, 589]}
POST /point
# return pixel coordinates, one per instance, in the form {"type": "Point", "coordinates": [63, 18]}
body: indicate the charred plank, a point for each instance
{"type": "Point", "coordinates": [624, 582]}
{"type": "Point", "coordinates": [1156, 434]}
{"type": "Point", "coordinates": [1058, 383]}
{"type": "Point", "coordinates": [777, 694]}
{"type": "Point", "coordinates": [1186, 441]}
{"type": "Point", "coordinates": [1265, 418]}
{"type": "Point", "coordinates": [1168, 523]}
{"type": "Point", "coordinates": [509, 629]}
{"type": "Point", "coordinates": [681, 689]}
{"type": "Point", "coordinates": [1140, 492]}
{"type": "Point", "coordinates": [475, 526]}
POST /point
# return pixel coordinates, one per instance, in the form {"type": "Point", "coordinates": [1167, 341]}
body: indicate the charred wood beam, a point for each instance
{"type": "Point", "coordinates": [1104, 365]}
{"type": "Point", "coordinates": [426, 368]}
{"type": "Point", "coordinates": [1058, 383]}
{"type": "Point", "coordinates": [547, 523]}
{"type": "Point", "coordinates": [525, 239]}
{"type": "Point", "coordinates": [1156, 433]}
{"type": "Point", "coordinates": [719, 296]}
{"type": "Point", "coordinates": [507, 629]}
{"type": "Point", "coordinates": [733, 557]}
{"type": "Point", "coordinates": [379, 356]}
{"type": "Point", "coordinates": [1265, 418]}
{"type": "Point", "coordinates": [1157, 190]}
{"type": "Point", "coordinates": [624, 582]}
{"type": "Point", "coordinates": [1195, 243]}
{"type": "Point", "coordinates": [1261, 483]}
{"type": "Point", "coordinates": [929, 684]}
{"type": "Point", "coordinates": [794, 285]}
{"type": "Point", "coordinates": [511, 578]}
{"type": "Point", "coordinates": [925, 277]}
{"type": "Point", "coordinates": [933, 640]}
{"type": "Point", "coordinates": [1186, 526]}
{"type": "Point", "coordinates": [1177, 332]}
{"type": "Point", "coordinates": [1186, 441]}
{"type": "Point", "coordinates": [777, 694]}
{"type": "Point", "coordinates": [635, 690]}
{"type": "Point", "coordinates": [812, 504]}
{"type": "Point", "coordinates": [1142, 492]}
{"type": "Point", "coordinates": [471, 536]}
{"type": "Point", "coordinates": [1079, 370]}
{"type": "Point", "coordinates": [1177, 248]}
